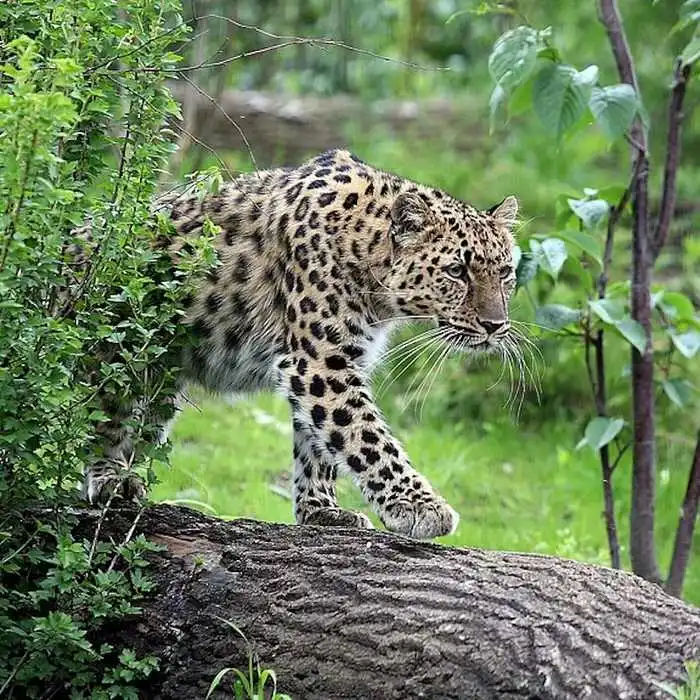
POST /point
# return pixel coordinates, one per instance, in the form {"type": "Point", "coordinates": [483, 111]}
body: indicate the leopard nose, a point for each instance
{"type": "Point", "coordinates": [491, 326]}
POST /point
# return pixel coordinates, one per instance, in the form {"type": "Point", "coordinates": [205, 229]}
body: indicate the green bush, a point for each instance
{"type": "Point", "coordinates": [83, 138]}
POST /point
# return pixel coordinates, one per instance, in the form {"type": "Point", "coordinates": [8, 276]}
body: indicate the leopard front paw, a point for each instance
{"type": "Point", "coordinates": [337, 517]}
{"type": "Point", "coordinates": [422, 519]}
{"type": "Point", "coordinates": [101, 482]}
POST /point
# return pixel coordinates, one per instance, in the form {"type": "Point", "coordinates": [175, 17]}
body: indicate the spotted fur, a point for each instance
{"type": "Point", "coordinates": [316, 264]}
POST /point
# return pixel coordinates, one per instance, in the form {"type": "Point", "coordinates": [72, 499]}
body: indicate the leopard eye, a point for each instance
{"type": "Point", "coordinates": [456, 271]}
{"type": "Point", "coordinates": [506, 271]}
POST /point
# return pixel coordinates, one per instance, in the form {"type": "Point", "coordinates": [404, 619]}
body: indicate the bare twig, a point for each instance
{"type": "Point", "coordinates": [284, 43]}
{"type": "Point", "coordinates": [128, 536]}
{"type": "Point", "coordinates": [289, 40]}
{"type": "Point", "coordinates": [596, 378]}
{"type": "Point", "coordinates": [228, 118]}
{"type": "Point", "coordinates": [673, 150]}
{"type": "Point", "coordinates": [187, 133]}
{"type": "Point", "coordinates": [13, 673]}
{"type": "Point", "coordinates": [613, 218]}
{"type": "Point", "coordinates": [686, 525]}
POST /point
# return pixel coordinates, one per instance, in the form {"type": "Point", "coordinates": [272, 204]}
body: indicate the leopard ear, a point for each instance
{"type": "Point", "coordinates": [506, 212]}
{"type": "Point", "coordinates": [410, 216]}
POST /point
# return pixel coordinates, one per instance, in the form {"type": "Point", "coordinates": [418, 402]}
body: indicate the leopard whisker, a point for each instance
{"type": "Point", "coordinates": [437, 367]}
{"type": "Point", "coordinates": [511, 374]}
{"type": "Point", "coordinates": [433, 352]}
{"type": "Point", "coordinates": [412, 317]}
{"type": "Point", "coordinates": [406, 361]}
{"type": "Point", "coordinates": [502, 353]}
{"type": "Point", "coordinates": [383, 357]}
{"type": "Point", "coordinates": [534, 367]}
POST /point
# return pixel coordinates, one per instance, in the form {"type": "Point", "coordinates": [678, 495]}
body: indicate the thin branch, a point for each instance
{"type": "Point", "coordinates": [673, 150]}
{"type": "Point", "coordinates": [613, 218]}
{"type": "Point", "coordinates": [596, 378]}
{"type": "Point", "coordinates": [588, 342]}
{"type": "Point", "coordinates": [610, 17]}
{"type": "Point", "coordinates": [228, 118]}
{"type": "Point", "coordinates": [12, 228]}
{"type": "Point", "coordinates": [609, 14]}
{"type": "Point", "coordinates": [289, 41]}
{"type": "Point", "coordinates": [13, 673]}
{"type": "Point", "coordinates": [136, 49]}
{"type": "Point", "coordinates": [686, 525]}
{"type": "Point", "coordinates": [187, 133]}
{"type": "Point", "coordinates": [620, 454]}
{"type": "Point", "coordinates": [606, 468]}
{"type": "Point", "coordinates": [128, 536]}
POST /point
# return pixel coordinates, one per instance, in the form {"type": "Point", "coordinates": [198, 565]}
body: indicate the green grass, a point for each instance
{"type": "Point", "coordinates": [519, 487]}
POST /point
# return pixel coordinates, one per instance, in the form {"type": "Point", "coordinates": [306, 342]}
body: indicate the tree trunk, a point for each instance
{"type": "Point", "coordinates": [343, 613]}
{"type": "Point", "coordinates": [642, 547]}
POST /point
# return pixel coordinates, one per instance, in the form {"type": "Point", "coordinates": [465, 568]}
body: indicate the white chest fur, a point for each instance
{"type": "Point", "coordinates": [375, 347]}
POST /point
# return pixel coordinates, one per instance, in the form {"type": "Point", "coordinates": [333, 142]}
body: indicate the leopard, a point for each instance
{"type": "Point", "coordinates": [316, 266]}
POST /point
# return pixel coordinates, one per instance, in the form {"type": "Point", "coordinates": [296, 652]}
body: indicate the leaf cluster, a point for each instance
{"type": "Point", "coordinates": [574, 260]}
{"type": "Point", "coordinates": [89, 308]}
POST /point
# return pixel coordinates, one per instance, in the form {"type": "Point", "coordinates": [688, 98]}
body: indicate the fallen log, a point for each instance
{"type": "Point", "coordinates": [341, 613]}
{"type": "Point", "coordinates": [285, 129]}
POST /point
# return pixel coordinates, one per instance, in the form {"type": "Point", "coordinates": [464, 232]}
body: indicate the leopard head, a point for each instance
{"type": "Point", "coordinates": [454, 264]}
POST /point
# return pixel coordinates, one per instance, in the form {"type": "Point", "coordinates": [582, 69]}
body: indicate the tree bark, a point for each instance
{"type": "Point", "coordinates": [361, 614]}
{"type": "Point", "coordinates": [642, 546]}
{"type": "Point", "coordinates": [686, 525]}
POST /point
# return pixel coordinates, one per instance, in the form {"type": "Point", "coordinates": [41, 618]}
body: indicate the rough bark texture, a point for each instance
{"type": "Point", "coordinates": [686, 525]}
{"type": "Point", "coordinates": [362, 614]}
{"type": "Point", "coordinates": [642, 547]}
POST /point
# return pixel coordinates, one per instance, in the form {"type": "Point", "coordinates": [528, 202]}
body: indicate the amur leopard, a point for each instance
{"type": "Point", "coordinates": [316, 265]}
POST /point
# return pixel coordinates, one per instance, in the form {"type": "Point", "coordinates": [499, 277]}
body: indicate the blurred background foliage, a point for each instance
{"type": "Point", "coordinates": [509, 466]}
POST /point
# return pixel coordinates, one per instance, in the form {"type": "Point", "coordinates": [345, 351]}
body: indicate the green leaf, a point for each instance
{"type": "Point", "coordinates": [549, 53]}
{"type": "Point", "coordinates": [517, 254]}
{"type": "Point", "coordinates": [687, 343]}
{"type": "Point", "coordinates": [498, 97]}
{"type": "Point", "coordinates": [600, 431]}
{"type": "Point", "coordinates": [555, 316]}
{"type": "Point", "coordinates": [513, 57]}
{"type": "Point", "coordinates": [691, 53]}
{"type": "Point", "coordinates": [585, 241]}
{"type": "Point", "coordinates": [527, 269]}
{"type": "Point", "coordinates": [677, 306]}
{"type": "Point", "coordinates": [633, 332]}
{"type": "Point", "coordinates": [690, 9]}
{"type": "Point", "coordinates": [555, 253]}
{"type": "Point", "coordinates": [560, 95]}
{"type": "Point", "coordinates": [608, 310]}
{"type": "Point", "coordinates": [614, 108]}
{"type": "Point", "coordinates": [611, 194]}
{"type": "Point", "coordinates": [678, 390]}
{"type": "Point", "coordinates": [550, 253]}
{"type": "Point", "coordinates": [590, 211]}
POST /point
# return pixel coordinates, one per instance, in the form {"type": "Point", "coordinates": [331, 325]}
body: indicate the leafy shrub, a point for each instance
{"type": "Point", "coordinates": [82, 139]}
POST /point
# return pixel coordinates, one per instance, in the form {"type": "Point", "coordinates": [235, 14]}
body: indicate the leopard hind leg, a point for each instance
{"type": "Point", "coordinates": [110, 474]}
